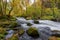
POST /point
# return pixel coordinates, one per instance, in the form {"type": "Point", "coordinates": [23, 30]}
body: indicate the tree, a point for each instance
{"type": "Point", "coordinates": [3, 5]}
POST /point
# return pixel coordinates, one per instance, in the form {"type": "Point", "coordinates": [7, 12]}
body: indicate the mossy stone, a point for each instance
{"type": "Point", "coordinates": [33, 32]}
{"type": "Point", "coordinates": [21, 32]}
{"type": "Point", "coordinates": [29, 24]}
{"type": "Point", "coordinates": [36, 22]}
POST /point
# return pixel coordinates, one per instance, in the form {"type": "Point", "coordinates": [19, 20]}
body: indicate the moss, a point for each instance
{"type": "Point", "coordinates": [36, 22]}
{"type": "Point", "coordinates": [29, 24]}
{"type": "Point", "coordinates": [58, 38]}
{"type": "Point", "coordinates": [2, 36]}
{"type": "Point", "coordinates": [33, 32]}
{"type": "Point", "coordinates": [13, 25]}
{"type": "Point", "coordinates": [47, 18]}
{"type": "Point", "coordinates": [21, 32]}
{"type": "Point", "coordinates": [7, 23]}
{"type": "Point", "coordinates": [3, 32]}
{"type": "Point", "coordinates": [4, 23]}
{"type": "Point", "coordinates": [13, 19]}
{"type": "Point", "coordinates": [14, 37]}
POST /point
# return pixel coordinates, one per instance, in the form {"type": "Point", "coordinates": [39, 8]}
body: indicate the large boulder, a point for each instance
{"type": "Point", "coordinates": [33, 32]}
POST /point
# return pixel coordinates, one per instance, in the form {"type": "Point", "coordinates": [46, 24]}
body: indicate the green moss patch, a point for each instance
{"type": "Point", "coordinates": [33, 32]}
{"type": "Point", "coordinates": [3, 32]}
{"type": "Point", "coordinates": [21, 32]}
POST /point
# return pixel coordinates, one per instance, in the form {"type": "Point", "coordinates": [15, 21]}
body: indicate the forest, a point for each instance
{"type": "Point", "coordinates": [28, 9]}
{"type": "Point", "coordinates": [41, 9]}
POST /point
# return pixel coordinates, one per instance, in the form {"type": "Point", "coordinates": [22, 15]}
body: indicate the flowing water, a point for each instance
{"type": "Point", "coordinates": [43, 23]}
{"type": "Point", "coordinates": [44, 28]}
